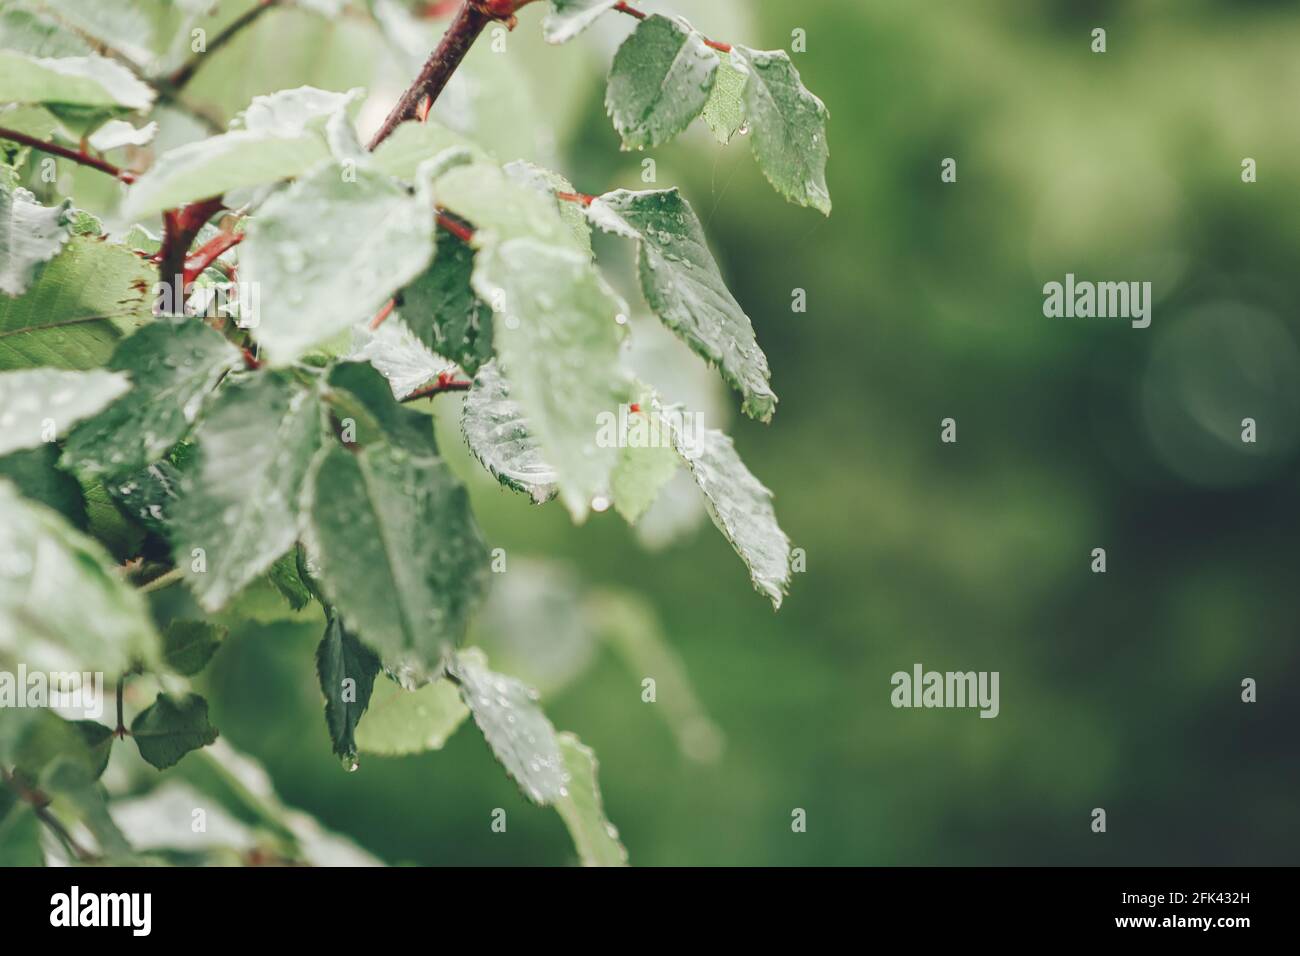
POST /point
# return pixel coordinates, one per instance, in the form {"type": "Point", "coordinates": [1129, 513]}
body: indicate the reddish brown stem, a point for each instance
{"type": "Point", "coordinates": [632, 11]}
{"type": "Point", "coordinates": [180, 226]}
{"type": "Point", "coordinates": [576, 197]}
{"type": "Point", "coordinates": [382, 314]}
{"type": "Point", "coordinates": [445, 383]}
{"type": "Point", "coordinates": [209, 253]}
{"type": "Point", "coordinates": [82, 157]}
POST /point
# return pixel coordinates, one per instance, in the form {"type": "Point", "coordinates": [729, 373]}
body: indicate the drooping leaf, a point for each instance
{"type": "Point", "coordinates": [682, 284]}
{"type": "Point", "coordinates": [99, 744]}
{"type": "Point", "coordinates": [402, 722]}
{"type": "Point", "coordinates": [187, 646]}
{"type": "Point", "coordinates": [498, 434]}
{"type": "Point", "coordinates": [346, 669]}
{"type": "Point", "coordinates": [81, 81]}
{"type": "Point", "coordinates": [41, 404]}
{"type": "Point", "coordinates": [512, 722]}
{"type": "Point", "coordinates": [725, 110]}
{"type": "Point", "coordinates": [279, 136]}
{"type": "Point", "coordinates": [557, 318]}
{"type": "Point", "coordinates": [81, 303]}
{"type": "Point", "coordinates": [583, 810]}
{"type": "Point", "coordinates": [35, 473]}
{"type": "Point", "coordinates": [173, 367]}
{"type": "Point", "coordinates": [239, 502]}
{"type": "Point", "coordinates": [287, 578]}
{"type": "Point", "coordinates": [741, 507]}
{"type": "Point", "coordinates": [43, 562]}
{"type": "Point", "coordinates": [397, 552]}
{"type": "Point", "coordinates": [329, 251]}
{"type": "Point", "coordinates": [660, 81]}
{"type": "Point", "coordinates": [171, 727]}
{"type": "Point", "coordinates": [787, 128]}
{"type": "Point", "coordinates": [30, 236]}
{"type": "Point", "coordinates": [567, 18]}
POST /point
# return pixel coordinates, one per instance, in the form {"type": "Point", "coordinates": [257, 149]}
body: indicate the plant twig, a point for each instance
{"type": "Point", "coordinates": [186, 73]}
{"type": "Point", "coordinates": [445, 383]}
{"type": "Point", "coordinates": [166, 579]}
{"type": "Point", "coordinates": [632, 11]}
{"type": "Point", "coordinates": [180, 226]}
{"type": "Point", "coordinates": [77, 156]}
{"type": "Point", "coordinates": [209, 252]}
{"type": "Point", "coordinates": [40, 804]}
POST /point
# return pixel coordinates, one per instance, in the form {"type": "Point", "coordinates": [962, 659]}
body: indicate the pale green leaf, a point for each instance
{"type": "Point", "coordinates": [328, 252]}
{"type": "Point", "coordinates": [549, 183]}
{"type": "Point", "coordinates": [521, 737]}
{"type": "Point", "coordinates": [277, 137]}
{"type": "Point", "coordinates": [397, 354]}
{"type": "Point", "coordinates": [82, 81]}
{"type": "Point", "coordinates": [567, 18]}
{"type": "Point", "coordinates": [30, 235]}
{"type": "Point", "coordinates": [583, 810]}
{"type": "Point", "coordinates": [174, 366]}
{"type": "Point", "coordinates": [20, 833]}
{"type": "Point", "coordinates": [660, 81]}
{"type": "Point", "coordinates": [43, 562]}
{"type": "Point", "coordinates": [497, 432]}
{"type": "Point", "coordinates": [346, 669]}
{"type": "Point", "coordinates": [557, 318]}
{"type": "Point", "coordinates": [35, 473]}
{"type": "Point", "coordinates": [725, 110]}
{"type": "Point", "coordinates": [501, 208]}
{"type": "Point", "coordinates": [787, 128]}
{"type": "Point", "coordinates": [118, 133]}
{"type": "Point", "coordinates": [171, 727]}
{"type": "Point", "coordinates": [647, 461]}
{"type": "Point", "coordinates": [41, 404]}
{"type": "Point", "coordinates": [396, 551]}
{"type": "Point", "coordinates": [239, 501]}
{"type": "Point", "coordinates": [682, 284]}
{"type": "Point", "coordinates": [401, 722]}
{"type": "Point", "coordinates": [413, 144]}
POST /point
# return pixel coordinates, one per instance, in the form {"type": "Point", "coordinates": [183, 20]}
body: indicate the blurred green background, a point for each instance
{"type": "Point", "coordinates": [1118, 690]}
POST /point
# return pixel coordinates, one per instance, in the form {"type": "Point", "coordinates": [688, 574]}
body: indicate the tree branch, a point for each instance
{"type": "Point", "coordinates": [186, 73]}
{"type": "Point", "coordinates": [180, 226]}
{"type": "Point", "coordinates": [77, 156]}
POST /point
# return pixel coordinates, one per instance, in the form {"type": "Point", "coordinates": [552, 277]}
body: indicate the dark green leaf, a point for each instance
{"type": "Point", "coordinates": [440, 307]}
{"type": "Point", "coordinates": [347, 670]}
{"type": "Point", "coordinates": [189, 645]}
{"type": "Point", "coordinates": [660, 81]}
{"type": "Point", "coordinates": [171, 727]}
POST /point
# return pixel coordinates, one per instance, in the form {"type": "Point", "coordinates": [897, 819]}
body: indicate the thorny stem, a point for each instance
{"type": "Point", "coordinates": [445, 383]}
{"type": "Point", "coordinates": [186, 73]}
{"type": "Point", "coordinates": [632, 11]}
{"type": "Point", "coordinates": [77, 156]}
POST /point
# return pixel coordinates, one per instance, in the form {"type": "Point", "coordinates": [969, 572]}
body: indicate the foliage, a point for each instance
{"type": "Point", "coordinates": [237, 372]}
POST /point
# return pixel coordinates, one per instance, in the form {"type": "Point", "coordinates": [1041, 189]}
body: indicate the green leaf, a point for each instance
{"type": "Point", "coordinates": [402, 722]}
{"type": "Point", "coordinates": [41, 737]}
{"type": "Point", "coordinates": [583, 811]}
{"type": "Point", "coordinates": [239, 501]}
{"type": "Point", "coordinates": [187, 646]}
{"type": "Point", "coordinates": [413, 144]}
{"type": "Point", "coordinates": [498, 434]}
{"type": "Point", "coordinates": [440, 307]}
{"type": "Point", "coordinates": [521, 737]}
{"type": "Point", "coordinates": [360, 392]}
{"type": "Point", "coordinates": [99, 744]}
{"type": "Point", "coordinates": [787, 128]}
{"type": "Point", "coordinates": [682, 284]}
{"type": "Point", "coordinates": [44, 564]}
{"type": "Point", "coordinates": [149, 495]}
{"type": "Point", "coordinates": [82, 302]}
{"type": "Point", "coordinates": [328, 252]}
{"type": "Point", "coordinates": [30, 235]}
{"type": "Point", "coordinates": [40, 404]}
{"type": "Point", "coordinates": [74, 788]}
{"type": "Point", "coordinates": [82, 81]}
{"type": "Point", "coordinates": [278, 137]}
{"type": "Point", "coordinates": [660, 81]}
{"type": "Point", "coordinates": [123, 25]}
{"type": "Point", "coordinates": [171, 727]}
{"type": "Point", "coordinates": [567, 18]}
{"type": "Point", "coordinates": [647, 460]}
{"type": "Point", "coordinates": [725, 110]}
{"type": "Point", "coordinates": [347, 670]}
{"type": "Point", "coordinates": [35, 474]}
{"type": "Point", "coordinates": [741, 507]}
{"type": "Point", "coordinates": [398, 355]}
{"type": "Point", "coordinates": [287, 578]}
{"type": "Point", "coordinates": [502, 208]}
{"type": "Point", "coordinates": [559, 319]}
{"type": "Point", "coordinates": [396, 551]}
{"type": "Point", "coordinates": [38, 34]}
{"type": "Point", "coordinates": [174, 366]}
